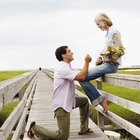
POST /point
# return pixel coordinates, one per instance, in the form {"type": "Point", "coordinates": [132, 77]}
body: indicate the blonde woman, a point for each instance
{"type": "Point", "coordinates": [104, 64]}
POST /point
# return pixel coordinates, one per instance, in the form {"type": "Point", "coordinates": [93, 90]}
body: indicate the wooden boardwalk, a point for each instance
{"type": "Point", "coordinates": [42, 113]}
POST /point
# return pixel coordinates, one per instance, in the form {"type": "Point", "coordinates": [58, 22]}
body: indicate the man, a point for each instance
{"type": "Point", "coordinates": [64, 99]}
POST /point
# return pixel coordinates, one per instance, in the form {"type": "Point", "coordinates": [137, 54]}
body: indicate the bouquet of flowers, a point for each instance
{"type": "Point", "coordinates": [112, 52]}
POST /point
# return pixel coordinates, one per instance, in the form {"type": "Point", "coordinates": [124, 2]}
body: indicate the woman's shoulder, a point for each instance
{"type": "Point", "coordinates": [113, 30]}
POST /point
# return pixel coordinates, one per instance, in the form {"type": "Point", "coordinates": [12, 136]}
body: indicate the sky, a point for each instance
{"type": "Point", "coordinates": [31, 30]}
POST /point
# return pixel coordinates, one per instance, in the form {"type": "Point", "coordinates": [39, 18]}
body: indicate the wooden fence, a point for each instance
{"type": "Point", "coordinates": [8, 90]}
{"type": "Point", "coordinates": [123, 80]}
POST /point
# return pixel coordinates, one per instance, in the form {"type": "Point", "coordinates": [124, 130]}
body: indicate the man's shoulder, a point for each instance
{"type": "Point", "coordinates": [62, 67]}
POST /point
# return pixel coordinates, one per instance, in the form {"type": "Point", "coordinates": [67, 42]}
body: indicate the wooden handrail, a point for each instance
{"type": "Point", "coordinates": [20, 112]}
{"type": "Point", "coordinates": [123, 80]}
{"type": "Point", "coordinates": [9, 88]}
{"type": "Point", "coordinates": [11, 121]}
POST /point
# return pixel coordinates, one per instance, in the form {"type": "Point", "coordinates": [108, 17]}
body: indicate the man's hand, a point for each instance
{"type": "Point", "coordinates": [82, 74]}
{"type": "Point", "coordinates": [88, 59]}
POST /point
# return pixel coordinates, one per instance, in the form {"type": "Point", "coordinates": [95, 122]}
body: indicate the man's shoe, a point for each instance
{"type": "Point", "coordinates": [29, 133]}
{"type": "Point", "coordinates": [86, 132]}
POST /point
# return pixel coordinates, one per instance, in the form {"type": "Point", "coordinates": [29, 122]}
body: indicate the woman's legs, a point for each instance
{"type": "Point", "coordinates": [101, 70]}
{"type": "Point", "coordinates": [96, 72]}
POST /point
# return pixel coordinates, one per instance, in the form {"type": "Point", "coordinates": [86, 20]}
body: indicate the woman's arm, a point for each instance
{"type": "Point", "coordinates": [117, 40]}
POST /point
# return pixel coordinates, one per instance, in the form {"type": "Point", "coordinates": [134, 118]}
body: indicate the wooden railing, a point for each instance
{"type": "Point", "coordinates": [127, 81]}
{"type": "Point", "coordinates": [8, 90]}
{"type": "Point", "coordinates": [123, 80]}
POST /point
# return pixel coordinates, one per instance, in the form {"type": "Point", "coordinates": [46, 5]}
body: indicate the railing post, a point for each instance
{"type": "Point", "coordinates": [21, 93]}
{"type": "Point", "coordinates": [3, 102]}
{"type": "Point", "coordinates": [99, 84]}
{"type": "Point", "coordinates": [2, 137]}
{"type": "Point", "coordinates": [100, 120]}
{"type": "Point", "coordinates": [100, 117]}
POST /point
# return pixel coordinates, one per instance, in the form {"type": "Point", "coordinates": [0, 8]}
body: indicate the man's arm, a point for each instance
{"type": "Point", "coordinates": [82, 74]}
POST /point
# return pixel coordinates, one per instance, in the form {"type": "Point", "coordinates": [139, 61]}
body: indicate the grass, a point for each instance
{"type": "Point", "coordinates": [129, 72]}
{"type": "Point", "coordinates": [6, 111]}
{"type": "Point", "coordinates": [4, 75]}
{"type": "Point", "coordinates": [129, 94]}
{"type": "Point", "coordinates": [133, 95]}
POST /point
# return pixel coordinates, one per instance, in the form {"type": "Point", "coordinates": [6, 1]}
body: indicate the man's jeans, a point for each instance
{"type": "Point", "coordinates": [96, 72]}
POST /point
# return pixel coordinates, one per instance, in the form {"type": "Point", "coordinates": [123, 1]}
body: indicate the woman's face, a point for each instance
{"type": "Point", "coordinates": [102, 25]}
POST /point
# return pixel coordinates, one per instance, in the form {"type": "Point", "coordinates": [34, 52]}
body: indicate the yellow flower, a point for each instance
{"type": "Point", "coordinates": [113, 52]}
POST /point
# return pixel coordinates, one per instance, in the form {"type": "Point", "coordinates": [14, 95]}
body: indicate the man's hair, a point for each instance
{"type": "Point", "coordinates": [59, 52]}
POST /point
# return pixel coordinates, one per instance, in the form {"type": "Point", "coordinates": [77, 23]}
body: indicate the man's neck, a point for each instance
{"type": "Point", "coordinates": [67, 61]}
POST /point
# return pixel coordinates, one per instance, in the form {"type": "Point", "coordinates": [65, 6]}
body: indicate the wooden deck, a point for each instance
{"type": "Point", "coordinates": [42, 113]}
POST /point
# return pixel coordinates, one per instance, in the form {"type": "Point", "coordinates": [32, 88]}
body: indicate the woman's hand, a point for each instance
{"type": "Point", "coordinates": [99, 61]}
{"type": "Point", "coordinates": [106, 59]}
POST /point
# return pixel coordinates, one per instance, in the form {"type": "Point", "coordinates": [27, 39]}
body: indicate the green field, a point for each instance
{"type": "Point", "coordinates": [5, 112]}
{"type": "Point", "coordinates": [129, 94]}
{"type": "Point", "coordinates": [129, 72]}
{"type": "Point", "coordinates": [9, 74]}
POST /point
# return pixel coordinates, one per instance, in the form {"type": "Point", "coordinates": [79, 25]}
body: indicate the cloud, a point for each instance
{"type": "Point", "coordinates": [31, 30]}
{"type": "Point", "coordinates": [64, 5]}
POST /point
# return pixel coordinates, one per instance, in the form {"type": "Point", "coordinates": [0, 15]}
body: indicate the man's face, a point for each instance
{"type": "Point", "coordinates": [69, 55]}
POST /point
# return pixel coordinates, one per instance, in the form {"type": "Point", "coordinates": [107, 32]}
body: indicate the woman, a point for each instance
{"type": "Point", "coordinates": [104, 64]}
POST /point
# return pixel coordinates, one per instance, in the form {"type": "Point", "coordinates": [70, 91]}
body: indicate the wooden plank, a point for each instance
{"type": "Point", "coordinates": [2, 137]}
{"type": "Point", "coordinates": [21, 123]}
{"type": "Point", "coordinates": [1, 101]}
{"type": "Point", "coordinates": [12, 119]}
{"type": "Point", "coordinates": [42, 113]}
{"type": "Point", "coordinates": [123, 80]}
{"type": "Point", "coordinates": [15, 115]}
{"type": "Point", "coordinates": [134, 130]}
{"type": "Point", "coordinates": [135, 107]}
{"type": "Point", "coordinates": [128, 81]}
{"type": "Point", "coordinates": [9, 88]}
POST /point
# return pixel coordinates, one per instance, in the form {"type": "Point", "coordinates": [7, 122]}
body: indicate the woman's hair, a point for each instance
{"type": "Point", "coordinates": [103, 17]}
{"type": "Point", "coordinates": [59, 52]}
